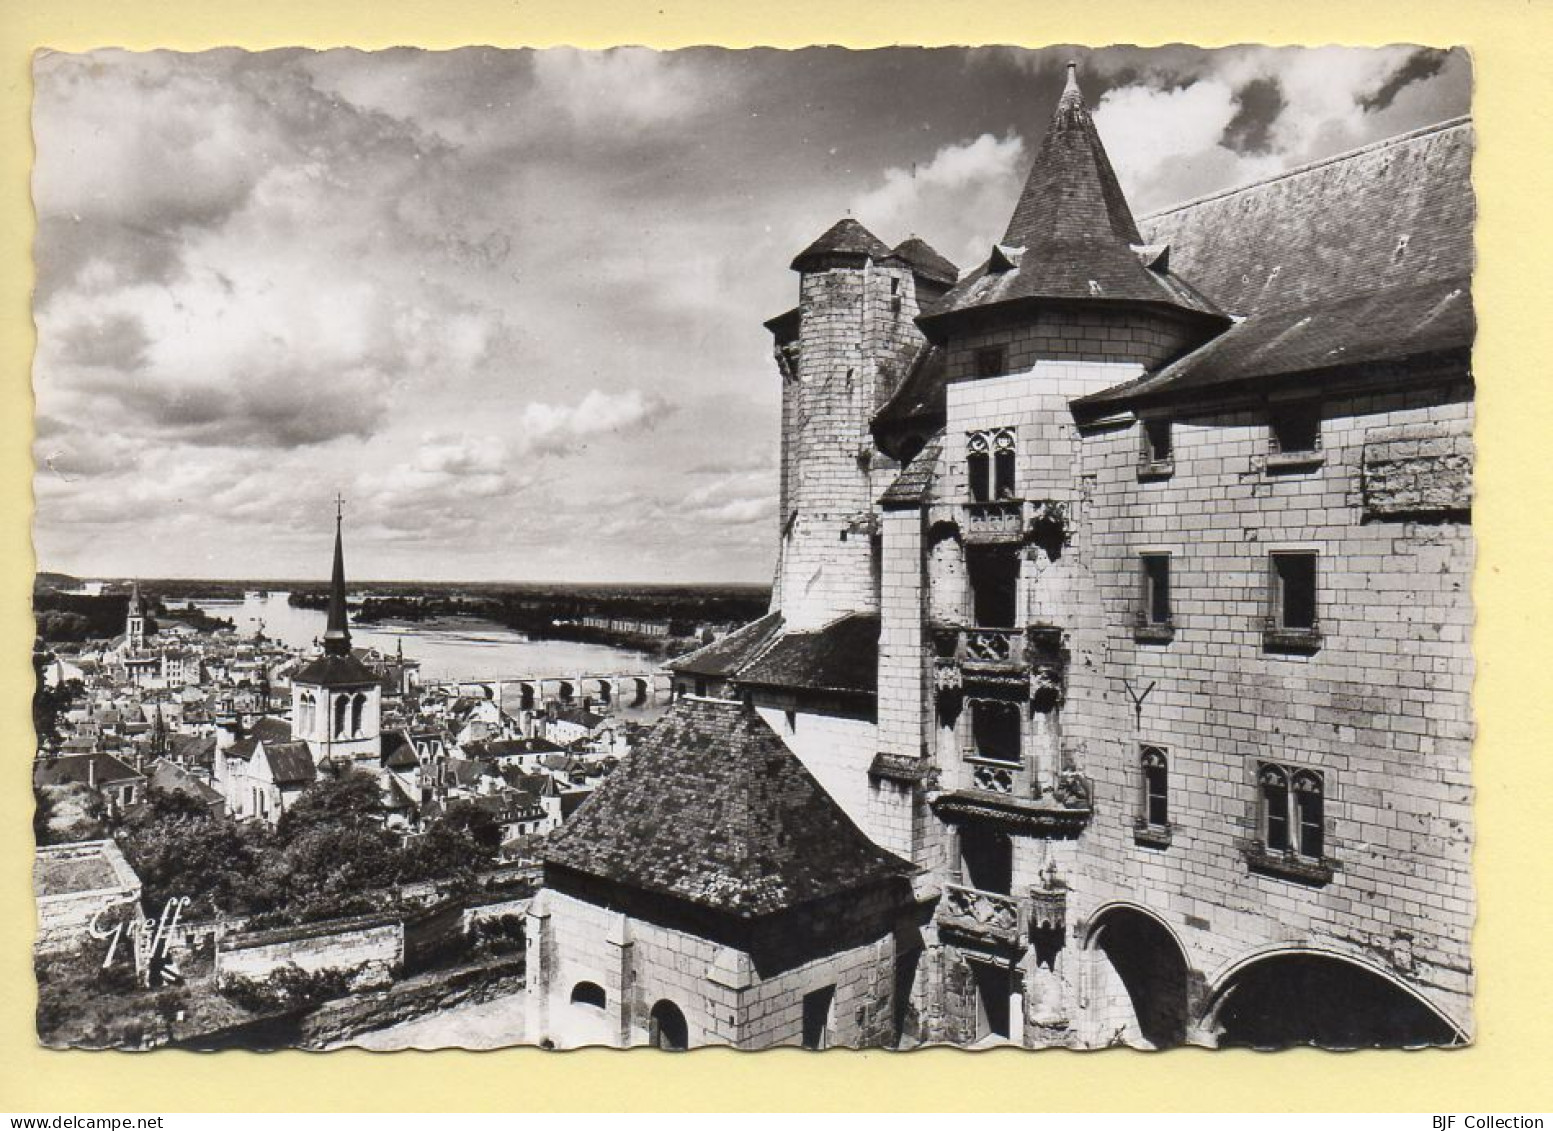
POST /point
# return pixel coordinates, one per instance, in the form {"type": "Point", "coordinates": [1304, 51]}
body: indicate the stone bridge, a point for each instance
{"type": "Point", "coordinates": [528, 692]}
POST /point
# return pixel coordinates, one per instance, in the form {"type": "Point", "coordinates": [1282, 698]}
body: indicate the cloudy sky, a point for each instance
{"type": "Point", "coordinates": [508, 303]}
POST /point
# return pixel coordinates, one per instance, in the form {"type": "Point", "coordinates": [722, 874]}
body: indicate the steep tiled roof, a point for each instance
{"type": "Point", "coordinates": [1360, 258]}
{"type": "Point", "coordinates": [397, 752]}
{"type": "Point", "coordinates": [1072, 236]}
{"type": "Point", "coordinates": [843, 656]}
{"type": "Point", "coordinates": [844, 237]}
{"type": "Point", "coordinates": [335, 671]}
{"type": "Point", "coordinates": [266, 728]}
{"type": "Point", "coordinates": [725, 656]}
{"type": "Point", "coordinates": [291, 763]}
{"type": "Point", "coordinates": [99, 769]}
{"type": "Point", "coordinates": [169, 777]}
{"type": "Point", "coordinates": [919, 398]}
{"type": "Point", "coordinates": [916, 478]}
{"type": "Point", "coordinates": [924, 260]}
{"type": "Point", "coordinates": [712, 808]}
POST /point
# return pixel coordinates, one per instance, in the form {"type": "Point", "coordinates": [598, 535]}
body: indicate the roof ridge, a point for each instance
{"type": "Point", "coordinates": [1311, 166]}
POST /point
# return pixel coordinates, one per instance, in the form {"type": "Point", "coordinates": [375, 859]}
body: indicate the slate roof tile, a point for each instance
{"type": "Point", "coordinates": [713, 809]}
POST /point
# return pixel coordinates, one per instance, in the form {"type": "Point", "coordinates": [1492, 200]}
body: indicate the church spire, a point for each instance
{"type": "Point", "coordinates": [337, 636]}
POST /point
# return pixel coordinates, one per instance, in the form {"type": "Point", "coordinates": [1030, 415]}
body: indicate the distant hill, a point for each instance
{"type": "Point", "coordinates": [47, 580]}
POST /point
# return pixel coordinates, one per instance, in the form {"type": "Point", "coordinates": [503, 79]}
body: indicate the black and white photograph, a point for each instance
{"type": "Point", "coordinates": [819, 548]}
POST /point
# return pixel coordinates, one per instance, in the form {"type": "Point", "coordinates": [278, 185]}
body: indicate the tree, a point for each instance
{"type": "Point", "coordinates": [350, 801]}
{"type": "Point", "coordinates": [463, 840]}
{"type": "Point", "coordinates": [179, 849]}
{"type": "Point", "coordinates": [49, 702]}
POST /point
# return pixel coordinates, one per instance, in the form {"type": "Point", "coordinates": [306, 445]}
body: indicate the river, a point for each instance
{"type": "Point", "coordinates": [447, 649]}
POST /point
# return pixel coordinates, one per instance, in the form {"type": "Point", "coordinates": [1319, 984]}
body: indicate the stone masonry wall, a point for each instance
{"type": "Point", "coordinates": [856, 338]}
{"type": "Point", "coordinates": [378, 949]}
{"type": "Point", "coordinates": [723, 999]}
{"type": "Point", "coordinates": [1382, 709]}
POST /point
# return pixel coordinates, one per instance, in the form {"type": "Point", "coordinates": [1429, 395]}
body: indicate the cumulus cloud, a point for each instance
{"type": "Point", "coordinates": [1190, 122]}
{"type": "Point", "coordinates": [948, 199]}
{"type": "Point", "coordinates": [620, 89]}
{"type": "Point", "coordinates": [551, 428]}
{"type": "Point", "coordinates": [434, 280]}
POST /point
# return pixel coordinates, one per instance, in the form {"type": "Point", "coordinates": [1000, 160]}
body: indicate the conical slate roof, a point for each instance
{"type": "Point", "coordinates": [1072, 236]}
{"type": "Point", "coordinates": [924, 259]}
{"type": "Point", "coordinates": [1071, 192]}
{"type": "Point", "coordinates": [713, 809]}
{"type": "Point", "coordinates": [844, 237]}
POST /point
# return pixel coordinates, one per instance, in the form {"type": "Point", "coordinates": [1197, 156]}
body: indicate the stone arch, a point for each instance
{"type": "Point", "coordinates": [566, 690]}
{"type": "Point", "coordinates": [666, 1026]}
{"type": "Point", "coordinates": [589, 993]}
{"type": "Point", "coordinates": [641, 691]}
{"type": "Point", "coordinates": [604, 687]}
{"type": "Point", "coordinates": [1312, 996]}
{"type": "Point", "coordinates": [1142, 979]}
{"type": "Point", "coordinates": [528, 696]}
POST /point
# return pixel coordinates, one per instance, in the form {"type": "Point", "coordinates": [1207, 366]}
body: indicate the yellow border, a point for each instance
{"type": "Point", "coordinates": [1507, 1069]}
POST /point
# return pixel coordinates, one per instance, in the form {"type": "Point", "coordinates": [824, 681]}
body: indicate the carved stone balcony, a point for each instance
{"type": "Point", "coordinates": [992, 523]}
{"type": "Point", "coordinates": [1022, 661]}
{"type": "Point", "coordinates": [1003, 796]}
{"type": "Point", "coordinates": [981, 917]}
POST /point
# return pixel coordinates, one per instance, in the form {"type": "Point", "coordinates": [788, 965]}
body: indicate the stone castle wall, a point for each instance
{"type": "Point", "coordinates": [1382, 709]}
{"type": "Point", "coordinates": [724, 999]}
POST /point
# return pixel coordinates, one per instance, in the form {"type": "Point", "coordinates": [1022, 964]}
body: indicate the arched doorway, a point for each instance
{"type": "Point", "coordinates": [588, 993]}
{"type": "Point", "coordinates": [666, 1027]}
{"type": "Point", "coordinates": [1304, 998]}
{"type": "Point", "coordinates": [1142, 976]}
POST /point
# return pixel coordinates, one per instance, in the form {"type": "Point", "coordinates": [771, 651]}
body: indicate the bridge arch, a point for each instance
{"type": "Point", "coordinates": [1285, 996]}
{"type": "Point", "coordinates": [1141, 980]}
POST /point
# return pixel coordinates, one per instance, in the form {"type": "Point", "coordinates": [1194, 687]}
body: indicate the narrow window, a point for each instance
{"type": "Point", "coordinates": [1275, 808]}
{"type": "Point", "coordinates": [1156, 589]}
{"type": "Point", "coordinates": [1294, 590]}
{"type": "Point", "coordinates": [1003, 464]}
{"type": "Point", "coordinates": [991, 361]}
{"type": "Point", "coordinates": [341, 711]}
{"type": "Point", "coordinates": [1295, 430]}
{"type": "Point", "coordinates": [987, 857]}
{"type": "Point", "coordinates": [1158, 443]}
{"type": "Point", "coordinates": [1309, 813]}
{"type": "Point", "coordinates": [816, 1017]}
{"type": "Point", "coordinates": [978, 467]}
{"type": "Point", "coordinates": [358, 708]}
{"type": "Point", "coordinates": [1156, 786]}
{"type": "Point", "coordinates": [701, 687]}
{"type": "Point", "coordinates": [995, 730]}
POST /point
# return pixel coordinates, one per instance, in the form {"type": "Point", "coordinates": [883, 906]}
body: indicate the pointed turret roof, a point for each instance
{"type": "Point", "coordinates": [1072, 236]}
{"type": "Point", "coordinates": [846, 237]}
{"type": "Point", "coordinates": [1071, 192]}
{"type": "Point", "coordinates": [137, 603]}
{"type": "Point", "coordinates": [924, 259]}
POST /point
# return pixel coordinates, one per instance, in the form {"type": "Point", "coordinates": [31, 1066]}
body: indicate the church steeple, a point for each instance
{"type": "Point", "coordinates": [337, 635]}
